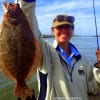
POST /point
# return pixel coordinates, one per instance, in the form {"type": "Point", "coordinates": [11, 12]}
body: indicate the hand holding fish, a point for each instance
{"type": "Point", "coordinates": [98, 57]}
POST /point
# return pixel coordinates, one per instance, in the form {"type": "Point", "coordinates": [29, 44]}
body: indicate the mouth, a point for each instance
{"type": "Point", "coordinates": [65, 35]}
{"type": "Point", "coordinates": [9, 6]}
{"type": "Point", "coordinates": [11, 10]}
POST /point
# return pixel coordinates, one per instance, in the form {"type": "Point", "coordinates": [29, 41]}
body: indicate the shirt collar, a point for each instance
{"type": "Point", "coordinates": [73, 49]}
{"type": "Point", "coordinates": [55, 44]}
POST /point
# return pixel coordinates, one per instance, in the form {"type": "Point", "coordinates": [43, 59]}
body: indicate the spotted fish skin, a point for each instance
{"type": "Point", "coordinates": [19, 49]}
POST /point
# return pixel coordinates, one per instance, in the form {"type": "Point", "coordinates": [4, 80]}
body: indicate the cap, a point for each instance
{"type": "Point", "coordinates": [63, 20]}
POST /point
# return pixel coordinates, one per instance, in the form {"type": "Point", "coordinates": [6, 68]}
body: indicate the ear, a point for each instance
{"type": "Point", "coordinates": [52, 31]}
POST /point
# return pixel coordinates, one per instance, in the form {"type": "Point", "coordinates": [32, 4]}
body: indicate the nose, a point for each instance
{"type": "Point", "coordinates": [64, 30]}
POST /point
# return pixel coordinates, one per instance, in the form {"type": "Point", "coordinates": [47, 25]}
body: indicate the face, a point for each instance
{"type": "Point", "coordinates": [62, 33]}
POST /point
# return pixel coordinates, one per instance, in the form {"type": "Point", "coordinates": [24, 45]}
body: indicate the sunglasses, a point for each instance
{"type": "Point", "coordinates": [64, 18]}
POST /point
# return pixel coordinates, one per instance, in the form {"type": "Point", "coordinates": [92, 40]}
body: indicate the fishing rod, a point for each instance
{"type": "Point", "coordinates": [96, 26]}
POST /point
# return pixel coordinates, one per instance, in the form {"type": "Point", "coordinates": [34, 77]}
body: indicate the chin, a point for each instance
{"type": "Point", "coordinates": [64, 42]}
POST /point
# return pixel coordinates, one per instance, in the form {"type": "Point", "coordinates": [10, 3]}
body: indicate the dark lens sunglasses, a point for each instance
{"type": "Point", "coordinates": [65, 18]}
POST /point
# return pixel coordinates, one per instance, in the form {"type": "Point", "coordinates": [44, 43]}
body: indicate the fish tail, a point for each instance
{"type": "Point", "coordinates": [23, 91]}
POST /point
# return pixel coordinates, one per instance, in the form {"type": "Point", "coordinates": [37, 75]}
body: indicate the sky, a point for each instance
{"type": "Point", "coordinates": [82, 10]}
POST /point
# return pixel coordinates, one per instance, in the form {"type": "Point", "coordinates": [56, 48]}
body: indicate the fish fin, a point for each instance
{"type": "Point", "coordinates": [36, 61]}
{"type": "Point", "coordinates": [23, 91]}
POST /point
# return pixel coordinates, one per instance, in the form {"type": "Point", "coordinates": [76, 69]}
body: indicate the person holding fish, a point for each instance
{"type": "Point", "coordinates": [64, 73]}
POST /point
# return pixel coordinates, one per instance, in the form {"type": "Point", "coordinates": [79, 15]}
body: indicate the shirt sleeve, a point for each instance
{"type": "Point", "coordinates": [96, 72]}
{"type": "Point", "coordinates": [93, 79]}
{"type": "Point", "coordinates": [29, 0]}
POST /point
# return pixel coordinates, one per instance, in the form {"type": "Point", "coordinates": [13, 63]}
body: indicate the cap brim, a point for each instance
{"type": "Point", "coordinates": [56, 24]}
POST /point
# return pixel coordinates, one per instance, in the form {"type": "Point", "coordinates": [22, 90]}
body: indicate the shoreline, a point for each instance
{"type": "Point", "coordinates": [51, 36]}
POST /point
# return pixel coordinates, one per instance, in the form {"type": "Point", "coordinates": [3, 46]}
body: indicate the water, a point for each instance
{"type": "Point", "coordinates": [86, 45]}
{"type": "Point", "coordinates": [7, 86]}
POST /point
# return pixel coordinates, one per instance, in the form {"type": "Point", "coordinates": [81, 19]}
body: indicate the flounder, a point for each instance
{"type": "Point", "coordinates": [19, 50]}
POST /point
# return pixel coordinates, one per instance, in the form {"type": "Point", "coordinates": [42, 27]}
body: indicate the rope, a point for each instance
{"type": "Point", "coordinates": [96, 26]}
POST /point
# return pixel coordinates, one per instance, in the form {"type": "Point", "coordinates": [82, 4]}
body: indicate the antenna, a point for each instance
{"type": "Point", "coordinates": [96, 26]}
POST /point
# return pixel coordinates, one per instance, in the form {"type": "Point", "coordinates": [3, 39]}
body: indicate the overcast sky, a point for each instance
{"type": "Point", "coordinates": [82, 10]}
